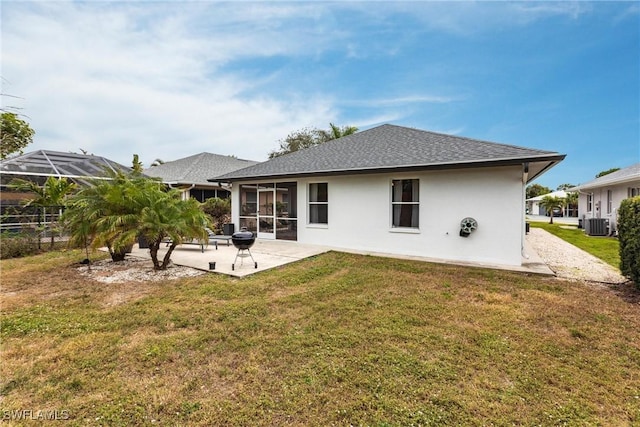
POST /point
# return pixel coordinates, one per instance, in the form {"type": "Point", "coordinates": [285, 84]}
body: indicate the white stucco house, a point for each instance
{"type": "Point", "coordinates": [601, 197]}
{"type": "Point", "coordinates": [395, 190]}
{"type": "Point", "coordinates": [534, 207]}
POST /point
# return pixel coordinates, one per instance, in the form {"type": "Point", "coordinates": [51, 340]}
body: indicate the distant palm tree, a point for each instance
{"type": "Point", "coordinates": [136, 165]}
{"type": "Point", "coordinates": [551, 204]}
{"type": "Point", "coordinates": [336, 132]}
{"type": "Point", "coordinates": [571, 202]}
{"type": "Point", "coordinates": [52, 195]}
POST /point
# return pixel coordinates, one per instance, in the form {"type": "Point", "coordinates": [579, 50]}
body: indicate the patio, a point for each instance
{"type": "Point", "coordinates": [274, 253]}
{"type": "Point", "coordinates": [267, 253]}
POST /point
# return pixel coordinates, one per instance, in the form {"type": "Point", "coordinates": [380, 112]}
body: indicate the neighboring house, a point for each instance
{"type": "Point", "coordinates": [534, 207]}
{"type": "Point", "coordinates": [601, 197]}
{"type": "Point", "coordinates": [395, 190]}
{"type": "Point", "coordinates": [190, 174]}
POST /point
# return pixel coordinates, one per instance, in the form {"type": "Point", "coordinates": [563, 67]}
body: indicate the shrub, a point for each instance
{"type": "Point", "coordinates": [219, 210]}
{"type": "Point", "coordinates": [629, 236]}
{"type": "Point", "coordinates": [15, 245]}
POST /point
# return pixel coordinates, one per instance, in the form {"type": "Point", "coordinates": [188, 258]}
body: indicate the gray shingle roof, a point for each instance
{"type": "Point", "coordinates": [628, 174]}
{"type": "Point", "coordinates": [197, 169]}
{"type": "Point", "coordinates": [390, 147]}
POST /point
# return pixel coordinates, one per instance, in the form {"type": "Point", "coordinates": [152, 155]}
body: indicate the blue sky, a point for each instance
{"type": "Point", "coordinates": [170, 79]}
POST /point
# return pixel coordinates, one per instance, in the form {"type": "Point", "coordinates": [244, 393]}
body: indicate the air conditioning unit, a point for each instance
{"type": "Point", "coordinates": [596, 227]}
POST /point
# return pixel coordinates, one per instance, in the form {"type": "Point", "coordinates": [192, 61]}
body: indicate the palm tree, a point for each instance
{"type": "Point", "coordinates": [552, 203]}
{"type": "Point", "coordinates": [164, 216]}
{"type": "Point", "coordinates": [336, 132]}
{"type": "Point", "coordinates": [105, 212]}
{"type": "Point", "coordinates": [82, 234]}
{"type": "Point", "coordinates": [53, 194]}
{"type": "Point", "coordinates": [571, 202]}
{"type": "Point", "coordinates": [136, 165]}
{"type": "Point", "coordinates": [113, 213]}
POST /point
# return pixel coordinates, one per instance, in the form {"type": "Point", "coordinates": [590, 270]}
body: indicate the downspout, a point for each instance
{"type": "Point", "coordinates": [525, 178]}
{"type": "Point", "coordinates": [592, 204]}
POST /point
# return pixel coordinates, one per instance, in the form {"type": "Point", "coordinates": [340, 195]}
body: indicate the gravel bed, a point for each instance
{"type": "Point", "coordinates": [134, 270]}
{"type": "Point", "coordinates": [570, 262]}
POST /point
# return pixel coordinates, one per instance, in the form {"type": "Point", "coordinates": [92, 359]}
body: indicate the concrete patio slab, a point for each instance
{"type": "Point", "coordinates": [274, 253]}
{"type": "Point", "coordinates": [267, 253]}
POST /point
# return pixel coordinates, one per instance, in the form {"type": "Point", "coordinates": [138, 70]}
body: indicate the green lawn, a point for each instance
{"type": "Point", "coordinates": [605, 248]}
{"type": "Point", "coordinates": [333, 340]}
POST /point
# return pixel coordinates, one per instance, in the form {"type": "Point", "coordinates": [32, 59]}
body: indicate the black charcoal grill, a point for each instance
{"type": "Point", "coordinates": [243, 240]}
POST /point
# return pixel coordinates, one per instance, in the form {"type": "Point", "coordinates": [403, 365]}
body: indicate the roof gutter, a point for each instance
{"type": "Point", "coordinates": [370, 170]}
{"type": "Point", "coordinates": [606, 183]}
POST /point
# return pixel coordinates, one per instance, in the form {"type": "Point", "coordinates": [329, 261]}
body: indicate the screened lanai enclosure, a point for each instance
{"type": "Point", "coordinates": [37, 166]}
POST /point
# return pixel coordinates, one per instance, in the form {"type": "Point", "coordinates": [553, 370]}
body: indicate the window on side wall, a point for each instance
{"type": "Point", "coordinates": [405, 203]}
{"type": "Point", "coordinates": [609, 201]}
{"type": "Point", "coordinates": [589, 202]}
{"type": "Point", "coordinates": [318, 203]}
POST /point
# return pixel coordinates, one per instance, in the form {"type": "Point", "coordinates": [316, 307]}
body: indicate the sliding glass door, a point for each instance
{"type": "Point", "coordinates": [270, 210]}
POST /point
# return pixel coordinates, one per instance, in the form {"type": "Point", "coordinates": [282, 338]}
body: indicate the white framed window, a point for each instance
{"type": "Point", "coordinates": [319, 203]}
{"type": "Point", "coordinates": [405, 203]}
{"type": "Point", "coordinates": [634, 191]}
{"type": "Point", "coordinates": [609, 201]}
{"type": "Point", "coordinates": [589, 202]}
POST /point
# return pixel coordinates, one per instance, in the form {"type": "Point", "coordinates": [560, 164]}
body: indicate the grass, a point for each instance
{"type": "Point", "coordinates": [605, 248]}
{"type": "Point", "coordinates": [336, 339]}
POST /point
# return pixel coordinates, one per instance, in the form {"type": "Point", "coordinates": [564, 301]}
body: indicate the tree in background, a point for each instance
{"type": "Point", "coordinates": [309, 137]}
{"type": "Point", "coordinates": [336, 132]}
{"type": "Point", "coordinates": [552, 204]}
{"type": "Point", "coordinates": [219, 210]}
{"type": "Point", "coordinates": [607, 172]}
{"type": "Point", "coordinates": [52, 195]}
{"type": "Point", "coordinates": [571, 203]}
{"type": "Point", "coordinates": [535, 190]}
{"type": "Point", "coordinates": [297, 140]}
{"type": "Point", "coordinates": [15, 134]}
{"type": "Point", "coordinates": [564, 187]}
{"type": "Point", "coordinates": [136, 165]}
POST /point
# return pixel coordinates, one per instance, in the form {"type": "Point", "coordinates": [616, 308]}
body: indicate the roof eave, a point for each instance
{"type": "Point", "coordinates": [589, 186]}
{"type": "Point", "coordinates": [552, 159]}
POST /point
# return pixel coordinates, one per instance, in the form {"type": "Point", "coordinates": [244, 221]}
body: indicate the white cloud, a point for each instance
{"type": "Point", "coordinates": [170, 79]}
{"type": "Point", "coordinates": [403, 100]}
{"type": "Point", "coordinates": [131, 78]}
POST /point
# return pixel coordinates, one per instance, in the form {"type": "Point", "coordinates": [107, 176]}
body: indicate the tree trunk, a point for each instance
{"type": "Point", "coordinates": [51, 226]}
{"type": "Point", "coordinates": [167, 256]}
{"type": "Point", "coordinates": [153, 251]}
{"type": "Point", "coordinates": [116, 255]}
